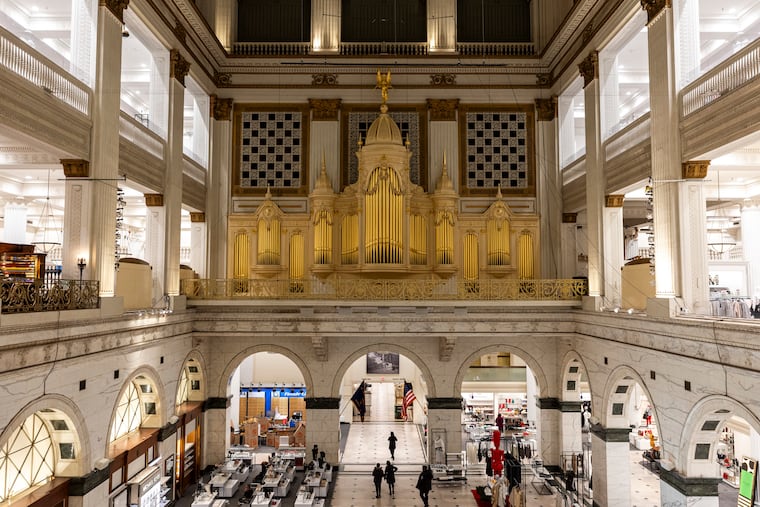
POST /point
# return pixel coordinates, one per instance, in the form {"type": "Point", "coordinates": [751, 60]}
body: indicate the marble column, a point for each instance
{"type": "Point", "coordinates": [441, 25]}
{"type": "Point", "coordinates": [595, 180]}
{"type": "Point", "coordinates": [611, 469]}
{"type": "Point", "coordinates": [104, 151]}
{"type": "Point", "coordinates": [172, 183]}
{"type": "Point", "coordinates": [750, 224]}
{"type": "Point", "coordinates": [443, 141]}
{"type": "Point", "coordinates": [325, 141]}
{"type": "Point", "coordinates": [695, 291]}
{"type": "Point", "coordinates": [323, 426]}
{"type": "Point", "coordinates": [218, 187]}
{"type": "Point", "coordinates": [445, 419]}
{"type": "Point", "coordinates": [666, 149]}
{"type": "Point", "coordinates": [568, 250]}
{"type": "Point", "coordinates": [691, 491]}
{"type": "Point", "coordinates": [198, 236]}
{"type": "Point", "coordinates": [549, 182]}
{"type": "Point", "coordinates": [571, 437]}
{"type": "Point", "coordinates": [548, 430]}
{"type": "Point", "coordinates": [76, 219]}
{"type": "Point", "coordinates": [14, 222]}
{"type": "Point", "coordinates": [325, 25]}
{"type": "Point", "coordinates": [215, 431]}
{"type": "Point", "coordinates": [155, 246]}
{"type": "Point", "coordinates": [613, 249]}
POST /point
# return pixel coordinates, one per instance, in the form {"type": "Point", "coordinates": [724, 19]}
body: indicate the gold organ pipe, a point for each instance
{"type": "Point", "coordinates": [296, 257]}
{"type": "Point", "coordinates": [471, 257]}
{"type": "Point", "coordinates": [240, 262]}
{"type": "Point", "coordinates": [525, 259]}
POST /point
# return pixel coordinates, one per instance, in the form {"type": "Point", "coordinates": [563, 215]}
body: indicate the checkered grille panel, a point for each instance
{"type": "Point", "coordinates": [497, 150]}
{"type": "Point", "coordinates": [271, 149]}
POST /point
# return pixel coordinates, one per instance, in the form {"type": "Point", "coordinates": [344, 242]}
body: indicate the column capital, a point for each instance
{"type": "Point", "coordinates": [325, 403]}
{"type": "Point", "coordinates": [222, 79]}
{"type": "Point", "coordinates": [154, 200]}
{"type": "Point", "coordinates": [325, 109]}
{"type": "Point", "coordinates": [216, 403]}
{"type": "Point", "coordinates": [614, 200]}
{"type": "Point", "coordinates": [179, 67]}
{"type": "Point", "coordinates": [694, 169]}
{"type": "Point", "coordinates": [589, 68]}
{"type": "Point", "coordinates": [546, 109]}
{"type": "Point", "coordinates": [691, 486]}
{"type": "Point", "coordinates": [654, 8]}
{"type": "Point", "coordinates": [221, 109]}
{"type": "Point", "coordinates": [610, 434]}
{"type": "Point", "coordinates": [443, 109]}
{"type": "Point", "coordinates": [197, 218]}
{"type": "Point", "coordinates": [75, 167]}
{"type": "Point", "coordinates": [569, 218]}
{"type": "Point", "coordinates": [444, 403]}
{"type": "Point", "coordinates": [116, 7]}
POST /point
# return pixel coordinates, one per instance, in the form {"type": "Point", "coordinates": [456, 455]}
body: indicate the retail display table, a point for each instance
{"type": "Point", "coordinates": [304, 499]}
{"type": "Point", "coordinates": [261, 499]}
{"type": "Point", "coordinates": [204, 500]}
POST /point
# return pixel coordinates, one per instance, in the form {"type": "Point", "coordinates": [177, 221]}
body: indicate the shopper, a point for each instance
{"type": "Point", "coordinates": [392, 445]}
{"type": "Point", "coordinates": [500, 423]}
{"type": "Point", "coordinates": [425, 484]}
{"type": "Point", "coordinates": [390, 478]}
{"type": "Point", "coordinates": [314, 452]}
{"type": "Point", "coordinates": [377, 476]}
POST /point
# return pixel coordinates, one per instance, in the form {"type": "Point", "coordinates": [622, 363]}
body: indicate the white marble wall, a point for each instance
{"type": "Point", "coordinates": [548, 427]}
{"type": "Point", "coordinates": [570, 436]}
{"type": "Point", "coordinates": [670, 497]}
{"type": "Point", "coordinates": [611, 472]}
{"type": "Point", "coordinates": [323, 429]}
{"type": "Point", "coordinates": [216, 440]}
{"type": "Point", "coordinates": [450, 421]}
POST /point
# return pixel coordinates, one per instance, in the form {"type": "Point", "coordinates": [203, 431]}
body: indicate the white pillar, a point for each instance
{"type": "Point", "coordinates": [568, 252]}
{"type": "Point", "coordinates": [14, 230]}
{"type": "Point", "coordinates": [442, 25]}
{"type": "Point", "coordinates": [218, 188]}
{"type": "Point", "coordinates": [444, 418]}
{"type": "Point", "coordinates": [571, 436]}
{"type": "Point", "coordinates": [549, 188]}
{"type": "Point", "coordinates": [198, 237]}
{"type": "Point", "coordinates": [83, 33]}
{"type": "Point", "coordinates": [155, 245]}
{"type": "Point", "coordinates": [76, 217]}
{"type": "Point", "coordinates": [750, 225]}
{"type": "Point", "coordinates": [325, 25]}
{"type": "Point", "coordinates": [547, 430]}
{"type": "Point", "coordinates": [666, 151]}
{"type": "Point", "coordinates": [158, 101]}
{"type": "Point", "coordinates": [687, 18]}
{"type": "Point", "coordinates": [696, 291]}
{"type": "Point", "coordinates": [691, 491]}
{"type": "Point", "coordinates": [611, 469]}
{"type": "Point", "coordinates": [613, 249]}
{"type": "Point", "coordinates": [323, 426]}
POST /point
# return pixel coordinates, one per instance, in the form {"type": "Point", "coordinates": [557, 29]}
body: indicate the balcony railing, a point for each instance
{"type": "Point", "coordinates": [496, 48]}
{"type": "Point", "coordinates": [33, 66]}
{"type": "Point", "coordinates": [37, 296]}
{"type": "Point", "coordinates": [384, 290]}
{"type": "Point", "coordinates": [383, 48]}
{"type": "Point", "coordinates": [726, 77]}
{"type": "Point", "coordinates": [271, 48]}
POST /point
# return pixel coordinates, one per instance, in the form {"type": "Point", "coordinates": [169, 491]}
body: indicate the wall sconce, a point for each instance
{"type": "Point", "coordinates": [81, 264]}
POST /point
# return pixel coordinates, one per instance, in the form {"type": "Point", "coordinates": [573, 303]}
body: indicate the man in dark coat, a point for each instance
{"type": "Point", "coordinates": [377, 476]}
{"type": "Point", "coordinates": [425, 484]}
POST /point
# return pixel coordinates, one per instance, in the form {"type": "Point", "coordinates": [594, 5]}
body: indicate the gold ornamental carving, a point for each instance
{"type": "Point", "coordinates": [179, 66]}
{"type": "Point", "coordinates": [221, 109]}
{"type": "Point", "coordinates": [222, 79]}
{"type": "Point", "coordinates": [569, 218]}
{"type": "Point", "coordinates": [443, 79]}
{"type": "Point", "coordinates": [197, 218]}
{"type": "Point", "coordinates": [546, 109]}
{"type": "Point", "coordinates": [694, 169]}
{"type": "Point", "coordinates": [614, 200]}
{"type": "Point", "coordinates": [324, 79]}
{"type": "Point", "coordinates": [443, 109]}
{"type": "Point", "coordinates": [75, 167]}
{"type": "Point", "coordinates": [116, 7]}
{"type": "Point", "coordinates": [544, 79]}
{"type": "Point", "coordinates": [325, 109]}
{"type": "Point", "coordinates": [154, 200]}
{"type": "Point", "coordinates": [654, 8]}
{"type": "Point", "coordinates": [587, 33]}
{"type": "Point", "coordinates": [179, 31]}
{"type": "Point", "coordinates": [589, 68]}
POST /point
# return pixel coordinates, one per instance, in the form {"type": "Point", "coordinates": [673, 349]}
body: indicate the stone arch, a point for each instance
{"type": "Point", "coordinates": [84, 460]}
{"type": "Point", "coordinates": [196, 356]}
{"type": "Point", "coordinates": [613, 409]}
{"type": "Point", "coordinates": [702, 429]}
{"type": "Point", "coordinates": [154, 420]}
{"type": "Point", "coordinates": [390, 347]}
{"type": "Point", "coordinates": [532, 363]}
{"type": "Point", "coordinates": [235, 362]}
{"type": "Point", "coordinates": [570, 360]}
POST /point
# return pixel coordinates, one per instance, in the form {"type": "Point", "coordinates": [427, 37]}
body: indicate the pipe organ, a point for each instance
{"type": "Point", "coordinates": [385, 226]}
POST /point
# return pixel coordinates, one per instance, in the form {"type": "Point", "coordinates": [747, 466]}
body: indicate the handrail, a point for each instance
{"type": "Point", "coordinates": [496, 48]}
{"type": "Point", "coordinates": [729, 75]}
{"type": "Point", "coordinates": [28, 63]}
{"type": "Point", "coordinates": [627, 137]}
{"type": "Point", "coordinates": [38, 296]}
{"type": "Point", "coordinates": [270, 48]}
{"type": "Point", "coordinates": [383, 48]}
{"type": "Point", "coordinates": [386, 289]}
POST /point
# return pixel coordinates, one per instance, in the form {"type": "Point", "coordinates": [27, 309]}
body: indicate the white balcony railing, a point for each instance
{"type": "Point", "coordinates": [728, 76]}
{"type": "Point", "coordinates": [140, 135]}
{"type": "Point", "coordinates": [628, 137]}
{"type": "Point", "coordinates": [33, 66]}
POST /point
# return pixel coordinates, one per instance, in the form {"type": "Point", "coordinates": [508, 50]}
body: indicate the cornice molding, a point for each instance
{"type": "Point", "coordinates": [614, 200]}
{"type": "Point", "coordinates": [694, 169]}
{"type": "Point", "coordinates": [179, 67]}
{"type": "Point", "coordinates": [546, 109]}
{"type": "Point", "coordinates": [75, 167]}
{"type": "Point", "coordinates": [180, 32]}
{"type": "Point", "coordinates": [116, 7]}
{"type": "Point", "coordinates": [589, 68]}
{"type": "Point", "coordinates": [443, 109]}
{"type": "Point", "coordinates": [325, 109]}
{"type": "Point", "coordinates": [222, 79]}
{"type": "Point", "coordinates": [221, 109]}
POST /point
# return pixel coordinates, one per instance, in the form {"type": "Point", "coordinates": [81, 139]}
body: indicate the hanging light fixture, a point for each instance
{"type": "Point", "coordinates": [719, 240]}
{"type": "Point", "coordinates": [49, 240]}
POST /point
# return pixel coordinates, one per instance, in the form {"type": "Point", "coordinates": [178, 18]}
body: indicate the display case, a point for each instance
{"type": "Point", "coordinates": [20, 263]}
{"type": "Point", "coordinates": [145, 488]}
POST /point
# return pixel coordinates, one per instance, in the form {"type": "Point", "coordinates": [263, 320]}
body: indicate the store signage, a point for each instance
{"type": "Point", "coordinates": [260, 392]}
{"type": "Point", "coordinates": [747, 482]}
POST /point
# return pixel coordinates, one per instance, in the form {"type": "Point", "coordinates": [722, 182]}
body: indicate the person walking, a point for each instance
{"type": "Point", "coordinates": [390, 478]}
{"type": "Point", "coordinates": [392, 445]}
{"type": "Point", "coordinates": [377, 476]}
{"type": "Point", "coordinates": [425, 484]}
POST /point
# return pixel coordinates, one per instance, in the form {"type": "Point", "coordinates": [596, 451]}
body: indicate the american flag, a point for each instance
{"type": "Point", "coordinates": [409, 398]}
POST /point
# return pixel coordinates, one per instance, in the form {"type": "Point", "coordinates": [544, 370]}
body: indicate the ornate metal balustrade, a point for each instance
{"type": "Point", "coordinates": [37, 296]}
{"type": "Point", "coordinates": [383, 290]}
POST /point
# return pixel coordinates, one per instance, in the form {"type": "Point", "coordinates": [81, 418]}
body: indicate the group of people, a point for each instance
{"type": "Point", "coordinates": [424, 480]}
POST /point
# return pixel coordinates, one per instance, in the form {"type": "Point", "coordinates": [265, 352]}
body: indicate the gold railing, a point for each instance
{"type": "Point", "coordinates": [37, 296]}
{"type": "Point", "coordinates": [385, 289]}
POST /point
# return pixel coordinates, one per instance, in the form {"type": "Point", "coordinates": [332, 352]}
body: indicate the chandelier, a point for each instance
{"type": "Point", "coordinates": [50, 239]}
{"type": "Point", "coordinates": [719, 240]}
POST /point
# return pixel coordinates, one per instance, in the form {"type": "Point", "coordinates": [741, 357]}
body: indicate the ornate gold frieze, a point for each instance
{"type": "Point", "coordinates": [443, 109]}
{"type": "Point", "coordinates": [179, 31]}
{"type": "Point", "coordinates": [694, 169]}
{"type": "Point", "coordinates": [116, 7]}
{"type": "Point", "coordinates": [324, 79]}
{"type": "Point", "coordinates": [154, 200]}
{"type": "Point", "coordinates": [569, 218]}
{"type": "Point", "coordinates": [222, 79]}
{"type": "Point", "coordinates": [589, 68]}
{"type": "Point", "coordinates": [325, 109]}
{"type": "Point", "coordinates": [221, 109]}
{"type": "Point", "coordinates": [197, 218]}
{"type": "Point", "coordinates": [75, 167]}
{"type": "Point", "coordinates": [613, 200]}
{"type": "Point", "coordinates": [544, 79]}
{"type": "Point", "coordinates": [179, 66]}
{"type": "Point", "coordinates": [546, 109]}
{"type": "Point", "coordinates": [654, 8]}
{"type": "Point", "coordinates": [443, 79]}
